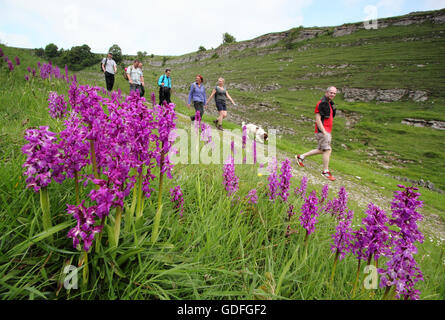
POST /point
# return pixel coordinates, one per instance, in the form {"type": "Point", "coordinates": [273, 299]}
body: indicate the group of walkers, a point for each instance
{"type": "Point", "coordinates": [325, 110]}
{"type": "Point", "coordinates": [134, 74]}
{"type": "Point", "coordinates": [197, 95]}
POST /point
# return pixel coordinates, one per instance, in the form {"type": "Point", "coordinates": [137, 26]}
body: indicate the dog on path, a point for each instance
{"type": "Point", "coordinates": [256, 131]}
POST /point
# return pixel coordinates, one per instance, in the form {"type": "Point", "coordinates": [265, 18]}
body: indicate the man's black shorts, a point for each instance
{"type": "Point", "coordinates": [221, 105]}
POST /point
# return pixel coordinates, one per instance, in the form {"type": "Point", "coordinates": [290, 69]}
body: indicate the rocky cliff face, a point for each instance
{"type": "Point", "coordinates": [266, 41]}
{"type": "Point", "coordinates": [412, 18]}
{"type": "Point", "coordinates": [421, 123]}
{"type": "Point", "coordinates": [260, 42]}
{"type": "Point", "coordinates": [381, 95]}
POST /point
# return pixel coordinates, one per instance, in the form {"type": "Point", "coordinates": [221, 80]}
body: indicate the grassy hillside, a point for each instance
{"type": "Point", "coordinates": [278, 87]}
{"type": "Point", "coordinates": [223, 248]}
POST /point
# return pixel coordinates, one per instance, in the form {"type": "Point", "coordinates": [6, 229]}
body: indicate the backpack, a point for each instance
{"type": "Point", "coordinates": [195, 86]}
{"type": "Point", "coordinates": [125, 73]}
{"type": "Point", "coordinates": [163, 80]}
{"type": "Point", "coordinates": [105, 65]}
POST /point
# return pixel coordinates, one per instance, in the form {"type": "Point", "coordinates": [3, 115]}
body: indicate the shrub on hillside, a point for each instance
{"type": "Point", "coordinates": [51, 51]}
{"type": "Point", "coordinates": [228, 38]}
{"type": "Point", "coordinates": [39, 52]}
{"type": "Point", "coordinates": [78, 58]}
{"type": "Point", "coordinates": [141, 55]}
{"type": "Point", "coordinates": [164, 61]}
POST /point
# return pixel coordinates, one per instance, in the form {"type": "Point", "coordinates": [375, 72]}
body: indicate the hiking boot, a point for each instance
{"type": "Point", "coordinates": [219, 127]}
{"type": "Point", "coordinates": [216, 122]}
{"type": "Point", "coordinates": [299, 161]}
{"type": "Point", "coordinates": [328, 175]}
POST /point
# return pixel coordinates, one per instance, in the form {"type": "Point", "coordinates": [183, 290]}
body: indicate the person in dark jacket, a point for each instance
{"type": "Point", "coordinates": [325, 112]}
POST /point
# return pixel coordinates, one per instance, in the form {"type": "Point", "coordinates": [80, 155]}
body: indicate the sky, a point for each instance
{"type": "Point", "coordinates": [175, 27]}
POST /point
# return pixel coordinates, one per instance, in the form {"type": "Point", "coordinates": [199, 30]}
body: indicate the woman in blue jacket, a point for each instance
{"type": "Point", "coordinates": [198, 96]}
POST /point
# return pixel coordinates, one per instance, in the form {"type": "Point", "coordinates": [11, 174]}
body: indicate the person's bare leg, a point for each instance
{"type": "Point", "coordinates": [222, 115]}
{"type": "Point", "coordinates": [326, 158]}
{"type": "Point", "coordinates": [220, 118]}
{"type": "Point", "coordinates": [311, 153]}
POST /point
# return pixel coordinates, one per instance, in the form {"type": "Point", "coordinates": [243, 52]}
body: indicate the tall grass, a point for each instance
{"type": "Point", "coordinates": [220, 249]}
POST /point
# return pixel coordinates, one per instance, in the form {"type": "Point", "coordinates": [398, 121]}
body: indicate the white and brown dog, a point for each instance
{"type": "Point", "coordinates": [255, 131]}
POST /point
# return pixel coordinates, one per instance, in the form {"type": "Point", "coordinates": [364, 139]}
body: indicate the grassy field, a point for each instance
{"type": "Point", "coordinates": [377, 59]}
{"type": "Point", "coordinates": [224, 249]}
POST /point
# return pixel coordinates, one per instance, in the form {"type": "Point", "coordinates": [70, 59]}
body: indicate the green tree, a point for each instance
{"type": "Point", "coordinates": [202, 49]}
{"type": "Point", "coordinates": [141, 55]}
{"type": "Point", "coordinates": [79, 58]}
{"type": "Point", "coordinates": [228, 38]}
{"type": "Point", "coordinates": [117, 53]}
{"type": "Point", "coordinates": [39, 52]}
{"type": "Point", "coordinates": [51, 51]}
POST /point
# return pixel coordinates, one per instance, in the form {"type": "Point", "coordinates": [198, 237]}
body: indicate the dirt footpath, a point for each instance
{"type": "Point", "coordinates": [431, 225]}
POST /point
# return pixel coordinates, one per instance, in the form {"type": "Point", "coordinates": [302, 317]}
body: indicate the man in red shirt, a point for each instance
{"type": "Point", "coordinates": [324, 117]}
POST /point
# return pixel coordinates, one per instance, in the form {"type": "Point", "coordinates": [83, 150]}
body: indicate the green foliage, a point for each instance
{"type": "Point", "coordinates": [228, 38]}
{"type": "Point", "coordinates": [51, 51]}
{"type": "Point", "coordinates": [78, 58]}
{"type": "Point", "coordinates": [117, 53]}
{"type": "Point", "coordinates": [39, 52]}
{"type": "Point", "coordinates": [220, 250]}
{"type": "Point", "coordinates": [202, 49]}
{"type": "Point", "coordinates": [214, 56]}
{"type": "Point", "coordinates": [383, 60]}
{"type": "Point", "coordinates": [141, 55]}
{"type": "Point", "coordinates": [288, 44]}
{"type": "Point", "coordinates": [164, 61]}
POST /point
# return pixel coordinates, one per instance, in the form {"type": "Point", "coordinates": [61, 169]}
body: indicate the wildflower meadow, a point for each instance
{"type": "Point", "coordinates": [88, 186]}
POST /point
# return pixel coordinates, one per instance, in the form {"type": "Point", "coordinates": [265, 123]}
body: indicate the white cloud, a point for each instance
{"type": "Point", "coordinates": [15, 40]}
{"type": "Point", "coordinates": [434, 4]}
{"type": "Point", "coordinates": [169, 27]}
{"type": "Point", "coordinates": [387, 8]}
{"type": "Point", "coordinates": [160, 27]}
{"type": "Point", "coordinates": [350, 3]}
